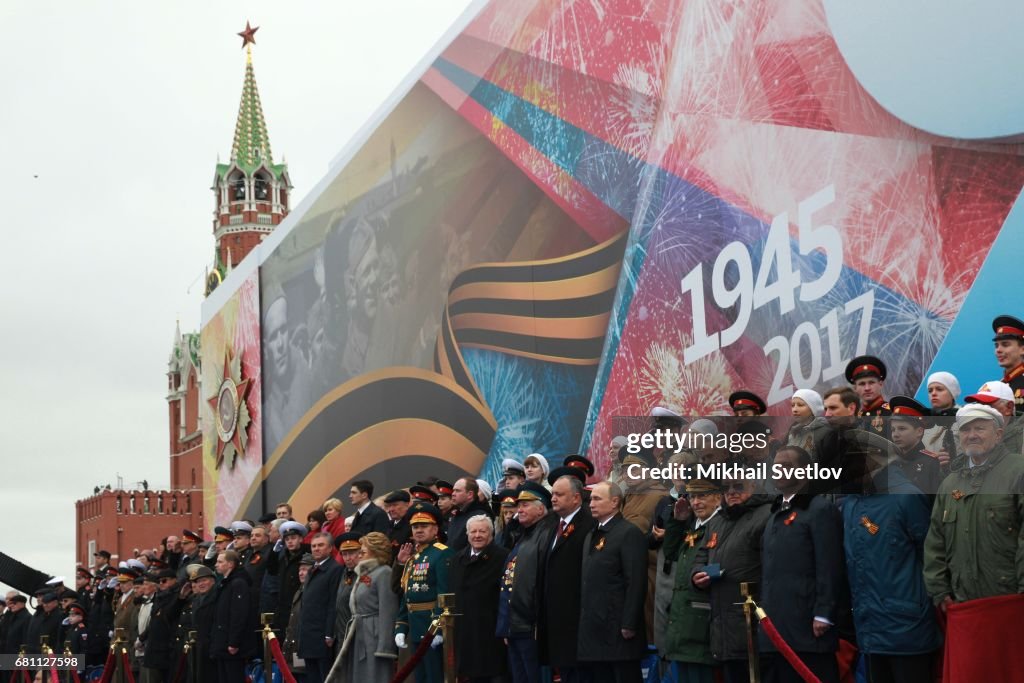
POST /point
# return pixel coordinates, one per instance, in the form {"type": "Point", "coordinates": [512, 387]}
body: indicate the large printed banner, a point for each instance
{"type": "Point", "coordinates": [231, 404]}
{"type": "Point", "coordinates": [583, 209]}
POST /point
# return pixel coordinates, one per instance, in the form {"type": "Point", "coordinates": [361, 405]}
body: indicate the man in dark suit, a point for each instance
{"type": "Point", "coordinates": [612, 635]}
{"type": "Point", "coordinates": [15, 624]}
{"type": "Point", "coordinates": [475, 578]}
{"type": "Point", "coordinates": [804, 576]}
{"type": "Point", "coordinates": [560, 608]}
{"type": "Point", "coordinates": [233, 639]}
{"type": "Point", "coordinates": [368, 516]}
{"type": "Point", "coordinates": [316, 621]}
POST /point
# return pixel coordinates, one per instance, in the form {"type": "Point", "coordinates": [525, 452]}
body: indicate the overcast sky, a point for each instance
{"type": "Point", "coordinates": [113, 117]}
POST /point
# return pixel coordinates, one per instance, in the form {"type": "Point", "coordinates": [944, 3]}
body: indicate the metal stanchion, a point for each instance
{"type": "Point", "coordinates": [268, 662]}
{"type": "Point", "coordinates": [190, 657]}
{"type": "Point", "coordinates": [446, 620]}
{"type": "Point", "coordinates": [67, 653]}
{"type": "Point", "coordinates": [119, 650]}
{"type": "Point", "coordinates": [747, 590]}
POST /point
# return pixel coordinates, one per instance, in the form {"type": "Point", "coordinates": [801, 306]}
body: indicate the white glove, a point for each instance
{"type": "Point", "coordinates": [436, 642]}
{"type": "Point", "coordinates": [211, 552]}
{"type": "Point", "coordinates": [400, 641]}
{"type": "Point", "coordinates": [278, 545]}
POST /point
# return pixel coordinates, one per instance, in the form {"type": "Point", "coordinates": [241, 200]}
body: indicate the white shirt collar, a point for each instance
{"type": "Point", "coordinates": [568, 518]}
{"type": "Point", "coordinates": [702, 522]}
{"type": "Point", "coordinates": [365, 505]}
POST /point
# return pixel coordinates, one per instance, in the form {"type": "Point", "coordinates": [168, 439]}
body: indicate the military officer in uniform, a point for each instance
{"type": "Point", "coordinates": [907, 425]}
{"type": "Point", "coordinates": [1009, 341]}
{"type": "Point", "coordinates": [867, 375]}
{"type": "Point", "coordinates": [241, 533]}
{"type": "Point", "coordinates": [424, 577]}
{"type": "Point", "coordinates": [747, 404]}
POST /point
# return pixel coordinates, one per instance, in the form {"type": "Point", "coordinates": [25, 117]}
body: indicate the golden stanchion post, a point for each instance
{"type": "Point", "coordinates": [190, 656]}
{"type": "Point", "coordinates": [268, 664]}
{"type": "Point", "coordinates": [447, 623]}
{"type": "Point", "coordinates": [67, 653]}
{"type": "Point", "coordinates": [749, 613]}
{"type": "Point", "coordinates": [119, 651]}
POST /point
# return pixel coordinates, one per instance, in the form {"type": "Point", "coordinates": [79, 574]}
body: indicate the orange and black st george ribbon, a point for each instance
{"type": "Point", "coordinates": [554, 310]}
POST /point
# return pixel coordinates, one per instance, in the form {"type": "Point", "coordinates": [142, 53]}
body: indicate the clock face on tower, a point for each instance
{"type": "Point", "coordinates": [212, 282]}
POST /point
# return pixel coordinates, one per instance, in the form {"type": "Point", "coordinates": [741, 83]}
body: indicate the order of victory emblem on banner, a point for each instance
{"type": "Point", "coordinates": [231, 415]}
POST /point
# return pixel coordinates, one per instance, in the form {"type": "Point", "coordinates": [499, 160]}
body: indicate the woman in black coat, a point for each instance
{"type": "Point", "coordinates": [474, 576]}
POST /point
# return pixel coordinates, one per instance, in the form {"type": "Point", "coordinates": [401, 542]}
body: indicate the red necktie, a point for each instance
{"type": "Point", "coordinates": [561, 526]}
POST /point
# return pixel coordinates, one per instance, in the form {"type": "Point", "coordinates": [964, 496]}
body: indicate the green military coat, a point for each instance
{"type": "Point", "coordinates": [688, 634]}
{"type": "Point", "coordinates": [975, 544]}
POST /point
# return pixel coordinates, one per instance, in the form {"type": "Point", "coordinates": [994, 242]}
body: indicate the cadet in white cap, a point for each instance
{"type": "Point", "coordinates": [515, 473]}
{"type": "Point", "coordinates": [1000, 396]}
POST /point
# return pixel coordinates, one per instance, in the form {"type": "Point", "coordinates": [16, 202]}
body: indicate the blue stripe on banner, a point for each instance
{"type": "Point", "coordinates": [680, 225]}
{"type": "Point", "coordinates": [967, 348]}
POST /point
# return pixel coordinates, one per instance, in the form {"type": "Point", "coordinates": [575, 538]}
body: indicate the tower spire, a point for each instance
{"type": "Point", "coordinates": [251, 144]}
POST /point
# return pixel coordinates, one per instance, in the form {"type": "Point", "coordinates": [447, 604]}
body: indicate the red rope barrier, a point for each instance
{"type": "Point", "coordinates": [108, 667]}
{"type": "Point", "coordinates": [26, 676]}
{"type": "Point", "coordinates": [126, 663]}
{"type": "Point", "coordinates": [54, 678]}
{"type": "Point", "coordinates": [417, 656]}
{"type": "Point", "coordinates": [74, 676]}
{"type": "Point", "coordinates": [786, 651]}
{"type": "Point", "coordinates": [180, 669]}
{"type": "Point", "coordinates": [275, 649]}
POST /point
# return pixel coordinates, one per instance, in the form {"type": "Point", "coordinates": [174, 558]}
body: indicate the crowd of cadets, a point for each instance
{"type": "Point", "coordinates": [556, 578]}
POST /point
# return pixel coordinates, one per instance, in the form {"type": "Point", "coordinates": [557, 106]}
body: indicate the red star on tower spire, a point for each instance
{"type": "Point", "coordinates": [248, 35]}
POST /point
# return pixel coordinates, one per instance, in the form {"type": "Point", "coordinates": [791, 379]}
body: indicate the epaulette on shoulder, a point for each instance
{"type": "Point", "coordinates": [440, 546]}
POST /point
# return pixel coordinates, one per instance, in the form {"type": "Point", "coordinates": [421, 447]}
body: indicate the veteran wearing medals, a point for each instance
{"type": "Point", "coordinates": [424, 577]}
{"type": "Point", "coordinates": [695, 526]}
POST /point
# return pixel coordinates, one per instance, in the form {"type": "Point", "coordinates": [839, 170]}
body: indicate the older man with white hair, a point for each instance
{"type": "Point", "coordinates": [475, 578]}
{"type": "Point", "coordinates": [1000, 396]}
{"type": "Point", "coordinates": [975, 547]}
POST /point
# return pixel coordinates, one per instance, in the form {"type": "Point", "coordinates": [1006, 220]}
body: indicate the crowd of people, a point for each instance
{"type": "Point", "coordinates": [555, 579]}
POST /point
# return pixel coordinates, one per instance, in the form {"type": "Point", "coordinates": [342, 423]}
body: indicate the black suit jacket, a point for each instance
{"type": "Point", "coordinates": [559, 623]}
{"type": "Point", "coordinates": [614, 579]}
{"type": "Point", "coordinates": [370, 519]}
{"type": "Point", "coordinates": [476, 583]}
{"type": "Point", "coordinates": [804, 571]}
{"type": "Point", "coordinates": [319, 602]}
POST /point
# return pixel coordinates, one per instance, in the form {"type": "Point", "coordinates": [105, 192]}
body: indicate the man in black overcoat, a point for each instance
{"type": "Point", "coordinates": [804, 575]}
{"type": "Point", "coordinates": [559, 623]}
{"type": "Point", "coordinates": [234, 622]}
{"type": "Point", "coordinates": [612, 638]}
{"type": "Point", "coordinates": [474, 577]}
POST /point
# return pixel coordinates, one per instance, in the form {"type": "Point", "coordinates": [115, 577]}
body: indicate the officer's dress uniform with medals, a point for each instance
{"type": "Point", "coordinates": [1008, 327]}
{"type": "Point", "coordinates": [869, 366]}
{"type": "Point", "coordinates": [424, 577]}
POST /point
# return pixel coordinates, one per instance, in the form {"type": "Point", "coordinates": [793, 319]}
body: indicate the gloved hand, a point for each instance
{"type": "Point", "coordinates": [211, 552]}
{"type": "Point", "coordinates": [400, 641]}
{"type": "Point", "coordinates": [278, 546]}
{"type": "Point", "coordinates": [436, 642]}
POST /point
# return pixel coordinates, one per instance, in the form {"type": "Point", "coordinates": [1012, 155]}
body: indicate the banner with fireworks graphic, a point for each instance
{"type": "Point", "coordinates": [581, 210]}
